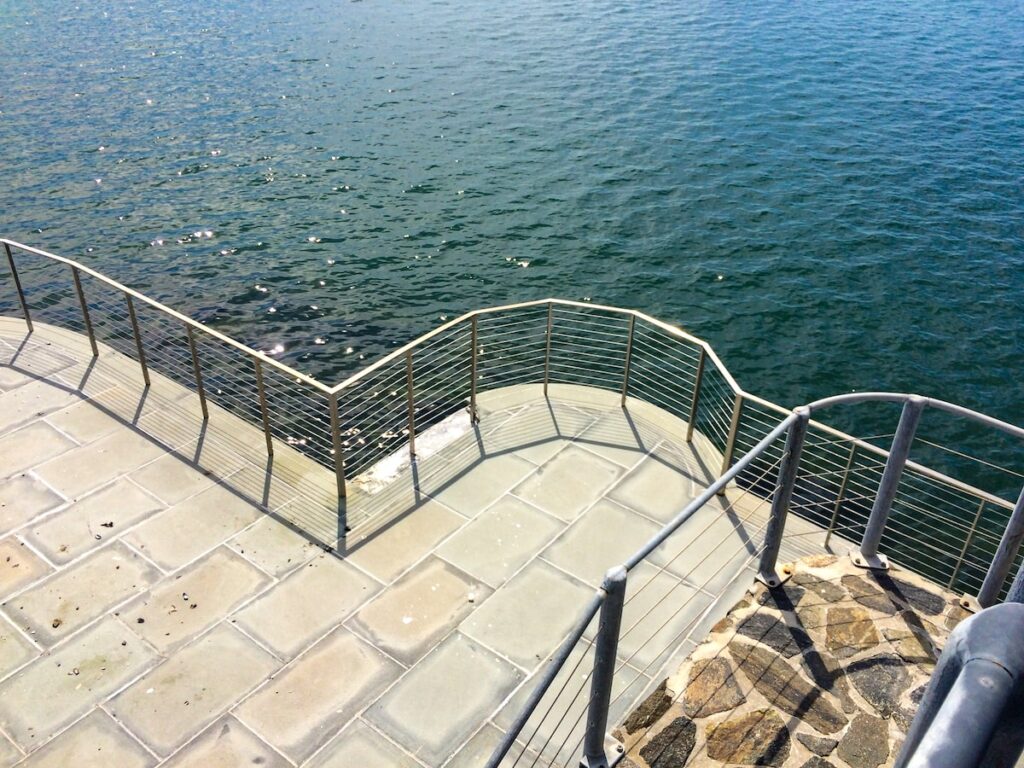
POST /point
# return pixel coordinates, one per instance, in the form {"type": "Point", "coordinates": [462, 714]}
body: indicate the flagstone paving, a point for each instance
{"type": "Point", "coordinates": [168, 597]}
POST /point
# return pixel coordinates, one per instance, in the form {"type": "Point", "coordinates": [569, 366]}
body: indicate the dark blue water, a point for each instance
{"type": "Point", "coordinates": [829, 192]}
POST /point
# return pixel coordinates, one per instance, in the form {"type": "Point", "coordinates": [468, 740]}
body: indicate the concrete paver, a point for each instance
{"type": "Point", "coordinates": [274, 546]}
{"type": "Point", "coordinates": [23, 498]}
{"type": "Point", "coordinates": [93, 742]}
{"type": "Point", "coordinates": [19, 566]}
{"type": "Point", "coordinates": [360, 745]}
{"type": "Point", "coordinates": [89, 466]}
{"type": "Point", "coordinates": [15, 650]}
{"type": "Point", "coordinates": [227, 744]}
{"type": "Point", "coordinates": [569, 483]}
{"type": "Point", "coordinates": [30, 445]}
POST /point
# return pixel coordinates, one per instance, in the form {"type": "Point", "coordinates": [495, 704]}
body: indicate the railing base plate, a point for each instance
{"type": "Point", "coordinates": [775, 578]}
{"type": "Point", "coordinates": [969, 603]}
{"type": "Point", "coordinates": [876, 563]}
{"type": "Point", "coordinates": [614, 752]}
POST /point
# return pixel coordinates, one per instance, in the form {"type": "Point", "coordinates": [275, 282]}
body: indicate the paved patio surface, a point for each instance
{"type": "Point", "coordinates": [168, 597]}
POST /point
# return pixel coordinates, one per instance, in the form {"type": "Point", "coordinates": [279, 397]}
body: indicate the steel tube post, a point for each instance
{"type": "Point", "coordinates": [695, 402]}
{"type": "Point", "coordinates": [17, 285]}
{"type": "Point", "coordinates": [547, 348]}
{"type": "Point", "coordinates": [1004, 557]}
{"type": "Point", "coordinates": [138, 338]}
{"type": "Point", "coordinates": [197, 371]}
{"type": "Point", "coordinates": [339, 459]}
{"type": "Point", "coordinates": [967, 544]}
{"type": "Point", "coordinates": [614, 586]}
{"type": "Point", "coordinates": [85, 312]}
{"type": "Point", "coordinates": [264, 413]}
{"type": "Point", "coordinates": [767, 572]}
{"type": "Point", "coordinates": [730, 441]}
{"type": "Point", "coordinates": [839, 495]}
{"type": "Point", "coordinates": [868, 556]}
{"type": "Point", "coordinates": [629, 360]}
{"type": "Point", "coordinates": [1016, 593]}
{"type": "Point", "coordinates": [411, 404]}
{"type": "Point", "coordinates": [473, 417]}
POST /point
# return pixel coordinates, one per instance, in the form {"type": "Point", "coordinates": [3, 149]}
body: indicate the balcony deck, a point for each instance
{"type": "Point", "coordinates": [168, 596]}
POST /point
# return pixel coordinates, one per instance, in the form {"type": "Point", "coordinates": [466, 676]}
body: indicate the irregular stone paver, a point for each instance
{"type": "Point", "coordinates": [226, 744]}
{"type": "Point", "coordinates": [866, 743]}
{"type": "Point", "coordinates": [911, 646]}
{"type": "Point", "coordinates": [72, 598]}
{"type": "Point", "coordinates": [826, 591]}
{"type": "Point", "coordinates": [881, 680]}
{"type": "Point", "coordinates": [85, 524]}
{"type": "Point", "coordinates": [419, 609]}
{"type": "Point", "coordinates": [756, 738]}
{"type": "Point", "coordinates": [818, 762]}
{"type": "Point", "coordinates": [23, 498]}
{"type": "Point", "coordinates": [819, 745]}
{"type": "Point", "coordinates": [317, 597]}
{"type": "Point", "coordinates": [173, 702]}
{"type": "Point", "coordinates": [849, 630]}
{"type": "Point", "coordinates": [19, 566]}
{"type": "Point", "coordinates": [306, 704]}
{"type": "Point", "coordinates": [56, 689]}
{"type": "Point", "coordinates": [95, 742]}
{"type": "Point", "coordinates": [672, 745]}
{"type": "Point", "coordinates": [203, 594]}
{"type": "Point", "coordinates": [650, 709]}
{"type": "Point", "coordinates": [917, 598]}
{"type": "Point", "coordinates": [438, 704]}
{"type": "Point", "coordinates": [360, 745]}
{"type": "Point", "coordinates": [869, 596]}
{"type": "Point", "coordinates": [516, 532]}
{"type": "Point", "coordinates": [785, 688]}
{"type": "Point", "coordinates": [776, 634]}
{"type": "Point", "coordinates": [712, 688]}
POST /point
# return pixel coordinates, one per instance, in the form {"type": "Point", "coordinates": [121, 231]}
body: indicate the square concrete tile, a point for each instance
{"type": "Point", "coordinates": [444, 698]}
{"type": "Point", "coordinates": [388, 552]}
{"type": "Point", "coordinates": [196, 525]}
{"type": "Point", "coordinates": [619, 437]}
{"type": "Point", "coordinates": [73, 597]}
{"type": "Point", "coordinates": [48, 694]}
{"type": "Point", "coordinates": [274, 546]}
{"type": "Point", "coordinates": [305, 705]}
{"type": "Point", "coordinates": [603, 537]}
{"type": "Point", "coordinates": [202, 594]}
{"type": "Point", "coordinates": [22, 498]}
{"type": "Point", "coordinates": [528, 617]}
{"type": "Point", "coordinates": [227, 744]}
{"type": "Point", "coordinates": [15, 650]}
{"type": "Point", "coordinates": [318, 596]}
{"type": "Point", "coordinates": [19, 566]}
{"type": "Point", "coordinates": [29, 446]}
{"type": "Point", "coordinates": [498, 541]}
{"type": "Point", "coordinates": [85, 422]}
{"type": "Point", "coordinates": [95, 742]}
{"type": "Point", "coordinates": [408, 618]}
{"type": "Point", "coordinates": [85, 524]}
{"type": "Point", "coordinates": [569, 483]}
{"type": "Point", "coordinates": [360, 745]}
{"type": "Point", "coordinates": [90, 466]}
{"type": "Point", "coordinates": [484, 484]}
{"type": "Point", "coordinates": [658, 487]}
{"type": "Point", "coordinates": [172, 479]}
{"type": "Point", "coordinates": [172, 703]}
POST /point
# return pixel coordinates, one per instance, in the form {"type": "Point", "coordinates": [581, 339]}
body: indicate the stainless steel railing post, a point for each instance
{"type": "Point", "coordinates": [547, 348]}
{"type": "Point", "coordinates": [839, 495]}
{"type": "Point", "coordinates": [695, 401]}
{"type": "Point", "coordinates": [767, 572]}
{"type": "Point", "coordinates": [730, 440]}
{"type": "Point", "coordinates": [606, 649]}
{"type": "Point", "coordinates": [197, 372]}
{"type": "Point", "coordinates": [339, 459]}
{"type": "Point", "coordinates": [967, 545]}
{"type": "Point", "coordinates": [1016, 591]}
{"type": "Point", "coordinates": [138, 338]}
{"type": "Point", "coordinates": [1009, 545]}
{"type": "Point", "coordinates": [473, 415]}
{"type": "Point", "coordinates": [629, 360]}
{"type": "Point", "coordinates": [410, 404]}
{"type": "Point", "coordinates": [17, 285]}
{"type": "Point", "coordinates": [264, 412]}
{"type": "Point", "coordinates": [868, 556]}
{"type": "Point", "coordinates": [85, 312]}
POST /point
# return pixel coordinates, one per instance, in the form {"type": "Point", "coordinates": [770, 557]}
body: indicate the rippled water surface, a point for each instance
{"type": "Point", "coordinates": [829, 192]}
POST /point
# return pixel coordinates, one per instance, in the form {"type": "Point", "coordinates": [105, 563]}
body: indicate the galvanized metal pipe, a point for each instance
{"type": "Point", "coordinates": [695, 401]}
{"type": "Point", "coordinates": [629, 359]}
{"type": "Point", "coordinates": [1009, 545]}
{"type": "Point", "coordinates": [766, 571]}
{"type": "Point", "coordinates": [547, 348]}
{"type": "Point", "coordinates": [17, 285]}
{"type": "Point", "coordinates": [967, 545]}
{"type": "Point", "coordinates": [474, 417]}
{"type": "Point", "coordinates": [1016, 591]}
{"type": "Point", "coordinates": [899, 451]}
{"type": "Point", "coordinates": [264, 412]}
{"type": "Point", "coordinates": [197, 372]}
{"type": "Point", "coordinates": [839, 495]}
{"type": "Point", "coordinates": [410, 404]}
{"type": "Point", "coordinates": [339, 459]}
{"type": "Point", "coordinates": [605, 655]}
{"type": "Point", "coordinates": [85, 312]}
{"type": "Point", "coordinates": [138, 338]}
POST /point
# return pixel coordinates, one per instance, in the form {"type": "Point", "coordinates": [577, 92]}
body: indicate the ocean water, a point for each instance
{"type": "Point", "coordinates": [829, 192]}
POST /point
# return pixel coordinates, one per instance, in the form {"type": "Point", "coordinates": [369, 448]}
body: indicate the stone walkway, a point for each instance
{"type": "Point", "coordinates": [824, 671]}
{"type": "Point", "coordinates": [170, 597]}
